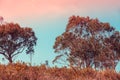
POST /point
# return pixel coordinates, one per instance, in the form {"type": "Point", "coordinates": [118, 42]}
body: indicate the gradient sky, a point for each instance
{"type": "Point", "coordinates": [48, 18]}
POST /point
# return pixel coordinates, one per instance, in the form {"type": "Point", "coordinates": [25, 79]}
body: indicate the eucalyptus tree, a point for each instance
{"type": "Point", "coordinates": [88, 42]}
{"type": "Point", "coordinates": [15, 39]}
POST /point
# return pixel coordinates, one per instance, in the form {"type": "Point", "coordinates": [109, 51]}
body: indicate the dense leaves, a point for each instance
{"type": "Point", "coordinates": [22, 71]}
{"type": "Point", "coordinates": [15, 39]}
{"type": "Point", "coordinates": [89, 43]}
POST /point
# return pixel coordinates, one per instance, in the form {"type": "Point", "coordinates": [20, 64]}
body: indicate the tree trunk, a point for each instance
{"type": "Point", "coordinates": [88, 64]}
{"type": "Point", "coordinates": [10, 59]}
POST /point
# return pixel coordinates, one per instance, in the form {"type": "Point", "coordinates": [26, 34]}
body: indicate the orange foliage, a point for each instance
{"type": "Point", "coordinates": [87, 43]}
{"type": "Point", "coordinates": [22, 71]}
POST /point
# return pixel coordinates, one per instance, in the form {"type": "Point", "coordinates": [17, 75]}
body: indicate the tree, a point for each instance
{"type": "Point", "coordinates": [1, 20]}
{"type": "Point", "coordinates": [88, 43]}
{"type": "Point", "coordinates": [15, 39]}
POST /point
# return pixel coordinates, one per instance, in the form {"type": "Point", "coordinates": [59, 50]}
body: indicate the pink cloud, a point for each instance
{"type": "Point", "coordinates": [28, 8]}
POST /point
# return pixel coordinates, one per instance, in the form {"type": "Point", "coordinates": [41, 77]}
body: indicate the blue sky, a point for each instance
{"type": "Point", "coordinates": [49, 19]}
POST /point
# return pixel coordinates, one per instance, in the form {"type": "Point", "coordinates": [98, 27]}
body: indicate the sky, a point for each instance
{"type": "Point", "coordinates": [48, 19]}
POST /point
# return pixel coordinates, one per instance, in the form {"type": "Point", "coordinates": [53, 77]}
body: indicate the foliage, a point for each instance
{"type": "Point", "coordinates": [88, 43]}
{"type": "Point", "coordinates": [15, 39]}
{"type": "Point", "coordinates": [22, 71]}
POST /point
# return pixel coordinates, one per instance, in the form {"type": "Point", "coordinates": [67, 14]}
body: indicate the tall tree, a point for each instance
{"type": "Point", "coordinates": [15, 39]}
{"type": "Point", "coordinates": [89, 43]}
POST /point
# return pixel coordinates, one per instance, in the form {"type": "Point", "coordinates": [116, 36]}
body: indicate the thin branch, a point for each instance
{"type": "Point", "coordinates": [4, 55]}
{"type": "Point", "coordinates": [20, 51]}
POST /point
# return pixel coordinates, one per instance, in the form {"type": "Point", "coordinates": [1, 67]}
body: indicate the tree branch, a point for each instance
{"type": "Point", "coordinates": [20, 51]}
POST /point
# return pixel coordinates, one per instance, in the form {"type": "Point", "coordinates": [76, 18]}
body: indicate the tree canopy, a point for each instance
{"type": "Point", "coordinates": [14, 40]}
{"type": "Point", "coordinates": [88, 42]}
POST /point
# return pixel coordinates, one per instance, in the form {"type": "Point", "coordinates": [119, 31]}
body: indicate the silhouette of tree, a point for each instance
{"type": "Point", "coordinates": [1, 19]}
{"type": "Point", "coordinates": [89, 43]}
{"type": "Point", "coordinates": [15, 39]}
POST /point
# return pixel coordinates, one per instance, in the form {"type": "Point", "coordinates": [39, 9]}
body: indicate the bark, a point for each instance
{"type": "Point", "coordinates": [10, 59]}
